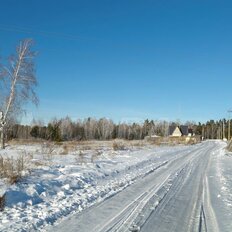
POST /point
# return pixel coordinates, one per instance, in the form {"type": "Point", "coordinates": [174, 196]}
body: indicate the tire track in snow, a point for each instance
{"type": "Point", "coordinates": [127, 220]}
{"type": "Point", "coordinates": [194, 215]}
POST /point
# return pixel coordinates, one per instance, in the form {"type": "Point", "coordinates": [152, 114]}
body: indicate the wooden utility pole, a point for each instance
{"type": "Point", "coordinates": [223, 129]}
{"type": "Point", "coordinates": [203, 133]}
{"type": "Point", "coordinates": [229, 129]}
{"type": "Point", "coordinates": [229, 111]}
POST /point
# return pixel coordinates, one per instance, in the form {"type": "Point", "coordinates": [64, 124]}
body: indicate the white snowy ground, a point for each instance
{"type": "Point", "coordinates": [221, 187]}
{"type": "Point", "coordinates": [57, 185]}
{"type": "Point", "coordinates": [60, 185]}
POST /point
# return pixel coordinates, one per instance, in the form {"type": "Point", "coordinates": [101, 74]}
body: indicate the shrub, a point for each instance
{"type": "Point", "coordinates": [118, 146]}
{"type": "Point", "coordinates": [11, 169]}
{"type": "Point", "coordinates": [80, 157]}
{"type": "Point", "coordinates": [65, 150]}
{"type": "Point", "coordinates": [47, 150]}
{"type": "Point", "coordinates": [2, 202]}
{"type": "Point", "coordinates": [96, 155]}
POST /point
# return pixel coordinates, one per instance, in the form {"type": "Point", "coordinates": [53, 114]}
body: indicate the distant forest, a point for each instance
{"type": "Point", "coordinates": [105, 129]}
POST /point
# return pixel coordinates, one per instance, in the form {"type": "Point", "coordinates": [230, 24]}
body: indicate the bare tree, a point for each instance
{"type": "Point", "coordinates": [105, 128]}
{"type": "Point", "coordinates": [19, 81]}
{"type": "Point", "coordinates": [66, 128]}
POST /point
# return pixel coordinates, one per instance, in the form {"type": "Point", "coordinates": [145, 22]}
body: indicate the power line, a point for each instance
{"type": "Point", "coordinates": [11, 28]}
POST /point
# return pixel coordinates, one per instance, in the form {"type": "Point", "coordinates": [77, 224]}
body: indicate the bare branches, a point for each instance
{"type": "Point", "coordinates": [21, 73]}
{"type": "Point", "coordinates": [20, 79]}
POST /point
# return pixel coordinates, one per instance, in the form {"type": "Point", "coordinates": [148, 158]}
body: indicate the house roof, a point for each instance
{"type": "Point", "coordinates": [183, 129]}
{"type": "Point", "coordinates": [171, 129]}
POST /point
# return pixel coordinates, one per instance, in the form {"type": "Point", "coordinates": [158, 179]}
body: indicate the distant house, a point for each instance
{"type": "Point", "coordinates": [178, 131]}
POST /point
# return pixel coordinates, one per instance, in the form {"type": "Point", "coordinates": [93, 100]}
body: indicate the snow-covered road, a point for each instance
{"type": "Point", "coordinates": [184, 193]}
{"type": "Point", "coordinates": [180, 188]}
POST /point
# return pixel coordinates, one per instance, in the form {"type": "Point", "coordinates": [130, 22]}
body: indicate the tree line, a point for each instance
{"type": "Point", "coordinates": [66, 129]}
{"type": "Point", "coordinates": [88, 129]}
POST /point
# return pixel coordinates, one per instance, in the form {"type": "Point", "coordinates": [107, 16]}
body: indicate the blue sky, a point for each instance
{"type": "Point", "coordinates": [125, 60]}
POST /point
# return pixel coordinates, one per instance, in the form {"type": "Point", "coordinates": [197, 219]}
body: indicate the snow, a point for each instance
{"type": "Point", "coordinates": [56, 185]}
{"type": "Point", "coordinates": [224, 175]}
{"type": "Point", "coordinates": [221, 186]}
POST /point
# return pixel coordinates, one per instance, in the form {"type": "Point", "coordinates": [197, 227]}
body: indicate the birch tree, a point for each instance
{"type": "Point", "coordinates": [66, 128]}
{"type": "Point", "coordinates": [19, 81]}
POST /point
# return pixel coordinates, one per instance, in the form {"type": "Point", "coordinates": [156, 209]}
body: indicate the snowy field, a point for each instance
{"type": "Point", "coordinates": [57, 185]}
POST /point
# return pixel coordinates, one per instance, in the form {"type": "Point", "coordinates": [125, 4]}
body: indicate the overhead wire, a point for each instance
{"type": "Point", "coordinates": [11, 28]}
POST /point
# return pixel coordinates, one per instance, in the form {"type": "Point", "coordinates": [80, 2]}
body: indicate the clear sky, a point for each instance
{"type": "Point", "coordinates": [125, 60]}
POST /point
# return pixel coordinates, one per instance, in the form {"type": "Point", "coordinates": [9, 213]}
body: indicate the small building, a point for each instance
{"type": "Point", "coordinates": [178, 131]}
